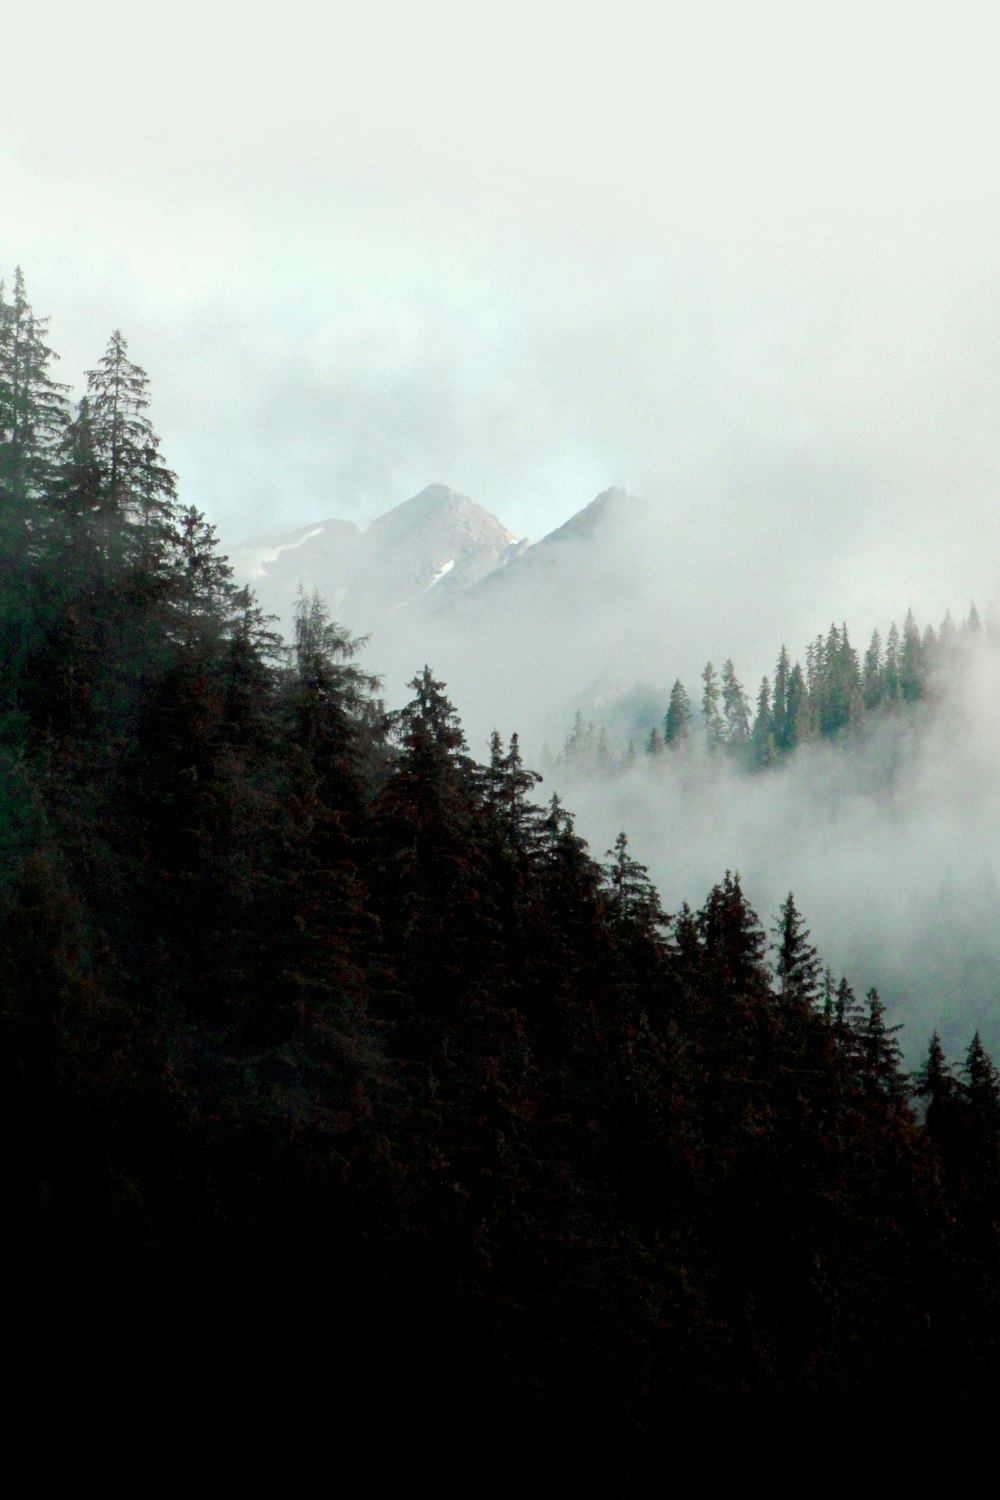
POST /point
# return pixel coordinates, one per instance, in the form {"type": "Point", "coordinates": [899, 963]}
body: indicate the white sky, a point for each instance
{"type": "Point", "coordinates": [738, 257]}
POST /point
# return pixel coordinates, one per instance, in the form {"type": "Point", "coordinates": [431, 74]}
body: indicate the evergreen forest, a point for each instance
{"type": "Point", "coordinates": [838, 698]}
{"type": "Point", "coordinates": [336, 1070]}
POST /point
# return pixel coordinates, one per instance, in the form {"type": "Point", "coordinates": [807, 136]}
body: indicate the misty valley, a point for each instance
{"type": "Point", "coordinates": [327, 1024]}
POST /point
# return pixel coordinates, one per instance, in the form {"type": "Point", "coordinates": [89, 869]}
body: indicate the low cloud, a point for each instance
{"type": "Point", "coordinates": [889, 845]}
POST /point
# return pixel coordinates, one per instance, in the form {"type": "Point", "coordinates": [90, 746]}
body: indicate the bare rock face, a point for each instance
{"type": "Point", "coordinates": [438, 541]}
{"type": "Point", "coordinates": [516, 631]}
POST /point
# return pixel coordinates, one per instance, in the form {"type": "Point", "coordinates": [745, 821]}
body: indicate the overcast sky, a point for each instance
{"type": "Point", "coordinates": [741, 259]}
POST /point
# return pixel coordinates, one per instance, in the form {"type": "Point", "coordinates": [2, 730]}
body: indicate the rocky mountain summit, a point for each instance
{"type": "Point", "coordinates": [541, 628]}
{"type": "Point", "coordinates": [438, 540]}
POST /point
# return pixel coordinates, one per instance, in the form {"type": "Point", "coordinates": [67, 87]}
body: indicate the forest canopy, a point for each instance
{"type": "Point", "coordinates": [304, 1008]}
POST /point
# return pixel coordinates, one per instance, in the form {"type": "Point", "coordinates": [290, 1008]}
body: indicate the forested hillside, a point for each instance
{"type": "Point", "coordinates": [318, 1035]}
{"type": "Point", "coordinates": [838, 697]}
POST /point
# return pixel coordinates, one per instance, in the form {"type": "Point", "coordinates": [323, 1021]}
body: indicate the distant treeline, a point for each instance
{"type": "Point", "coordinates": [834, 697]}
{"type": "Point", "coordinates": [338, 1076]}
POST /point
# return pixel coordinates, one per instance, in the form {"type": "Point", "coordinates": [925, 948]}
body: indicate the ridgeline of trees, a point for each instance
{"type": "Point", "coordinates": [836, 698]}
{"type": "Point", "coordinates": [333, 1061]}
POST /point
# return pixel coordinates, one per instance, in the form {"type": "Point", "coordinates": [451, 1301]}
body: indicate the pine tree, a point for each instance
{"type": "Point", "coordinates": [847, 1016]}
{"type": "Point", "coordinates": [849, 680]}
{"type": "Point", "coordinates": [735, 708]}
{"type": "Point", "coordinates": [838, 683]}
{"type": "Point", "coordinates": [935, 1084]}
{"type": "Point", "coordinates": [634, 902]}
{"type": "Point", "coordinates": [332, 703]}
{"type": "Point", "coordinates": [138, 489]}
{"type": "Point", "coordinates": [711, 717]}
{"type": "Point", "coordinates": [604, 760]}
{"type": "Point", "coordinates": [581, 750]}
{"type": "Point", "coordinates": [733, 940]}
{"type": "Point", "coordinates": [33, 409]}
{"type": "Point", "coordinates": [892, 691]}
{"type": "Point", "coordinates": [847, 1010]}
{"type": "Point", "coordinates": [77, 489]}
{"type": "Point", "coordinates": [253, 655]}
{"type": "Point", "coordinates": [911, 662]}
{"type": "Point", "coordinates": [205, 591]}
{"type": "Point", "coordinates": [571, 881]}
{"type": "Point", "coordinates": [764, 752]}
{"type": "Point", "coordinates": [800, 724]}
{"type": "Point", "coordinates": [873, 673]}
{"type": "Point", "coordinates": [508, 783]}
{"type": "Point", "coordinates": [677, 721]}
{"type": "Point", "coordinates": [973, 624]}
{"type": "Point", "coordinates": [947, 642]}
{"type": "Point", "coordinates": [980, 1154]}
{"type": "Point", "coordinates": [429, 864]}
{"type": "Point", "coordinates": [780, 719]}
{"type": "Point", "coordinates": [815, 668]}
{"type": "Point", "coordinates": [982, 1085]}
{"type": "Point", "coordinates": [881, 1051]}
{"type": "Point", "coordinates": [797, 967]}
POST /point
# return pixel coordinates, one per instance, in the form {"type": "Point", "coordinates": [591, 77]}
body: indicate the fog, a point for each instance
{"type": "Point", "coordinates": [738, 261]}
{"type": "Point", "coordinates": [889, 845]}
{"type": "Point", "coordinates": [889, 842]}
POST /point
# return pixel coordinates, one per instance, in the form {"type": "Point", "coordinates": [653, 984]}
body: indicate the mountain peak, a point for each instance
{"type": "Point", "coordinates": [438, 505]}
{"type": "Point", "coordinates": [592, 516]}
{"type": "Point", "coordinates": [437, 541]}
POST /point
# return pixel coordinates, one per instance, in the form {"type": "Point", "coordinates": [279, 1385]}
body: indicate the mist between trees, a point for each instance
{"type": "Point", "coordinates": [884, 822]}
{"type": "Point", "coordinates": [309, 1015]}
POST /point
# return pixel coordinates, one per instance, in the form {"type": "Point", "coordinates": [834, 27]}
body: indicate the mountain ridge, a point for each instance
{"type": "Point", "coordinates": [438, 539]}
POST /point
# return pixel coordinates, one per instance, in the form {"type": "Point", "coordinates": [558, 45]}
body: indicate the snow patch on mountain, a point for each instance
{"type": "Point", "coordinates": [438, 540]}
{"type": "Point", "coordinates": [252, 561]}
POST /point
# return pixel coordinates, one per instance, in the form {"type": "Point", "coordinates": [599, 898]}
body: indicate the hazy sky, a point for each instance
{"type": "Point", "coordinates": [891, 851]}
{"type": "Point", "coordinates": [738, 258]}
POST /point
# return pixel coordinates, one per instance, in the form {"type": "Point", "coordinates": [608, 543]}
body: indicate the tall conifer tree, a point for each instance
{"type": "Point", "coordinates": [735, 707]}
{"type": "Point", "coordinates": [138, 488]}
{"type": "Point", "coordinates": [711, 717]}
{"type": "Point", "coordinates": [677, 721]}
{"type": "Point", "coordinates": [33, 408]}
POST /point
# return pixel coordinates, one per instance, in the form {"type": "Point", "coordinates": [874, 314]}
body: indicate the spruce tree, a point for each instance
{"type": "Point", "coordinates": [911, 661]}
{"type": "Point", "coordinates": [892, 691]}
{"type": "Point", "coordinates": [508, 784]}
{"type": "Point", "coordinates": [634, 902]}
{"type": "Point", "coordinates": [733, 940]}
{"type": "Point", "coordinates": [429, 864]}
{"type": "Point", "coordinates": [204, 590]}
{"type": "Point", "coordinates": [873, 673]}
{"type": "Point", "coordinates": [780, 718]}
{"type": "Point", "coordinates": [947, 642]}
{"type": "Point", "coordinates": [764, 752]}
{"type": "Point", "coordinates": [797, 967]}
{"type": "Point", "coordinates": [332, 699]}
{"type": "Point", "coordinates": [982, 1091]}
{"type": "Point", "coordinates": [33, 408]}
{"type": "Point", "coordinates": [799, 721]}
{"type": "Point", "coordinates": [881, 1051]}
{"type": "Point", "coordinates": [137, 487]}
{"type": "Point", "coordinates": [735, 707]}
{"type": "Point", "coordinates": [711, 717]}
{"type": "Point", "coordinates": [677, 721]}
